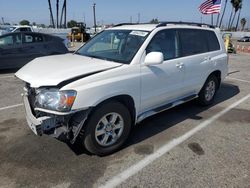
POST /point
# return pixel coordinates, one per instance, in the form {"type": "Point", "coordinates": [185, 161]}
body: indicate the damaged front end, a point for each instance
{"type": "Point", "coordinates": [48, 111]}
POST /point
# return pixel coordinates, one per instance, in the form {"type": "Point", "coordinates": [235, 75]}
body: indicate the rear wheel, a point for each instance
{"type": "Point", "coordinates": [208, 91]}
{"type": "Point", "coordinates": [107, 128]}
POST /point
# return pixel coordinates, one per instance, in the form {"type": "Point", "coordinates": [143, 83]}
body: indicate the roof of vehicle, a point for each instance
{"type": "Point", "coordinates": [19, 26]}
{"type": "Point", "coordinates": [145, 27]}
{"type": "Point", "coordinates": [29, 32]}
{"type": "Point", "coordinates": [150, 27]}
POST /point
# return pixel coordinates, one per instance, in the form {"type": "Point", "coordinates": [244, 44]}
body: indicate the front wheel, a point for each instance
{"type": "Point", "coordinates": [208, 91]}
{"type": "Point", "coordinates": [107, 128]}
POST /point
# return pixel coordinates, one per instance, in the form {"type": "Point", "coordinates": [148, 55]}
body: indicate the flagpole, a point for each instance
{"type": "Point", "coordinates": [218, 17]}
{"type": "Point", "coordinates": [212, 19]}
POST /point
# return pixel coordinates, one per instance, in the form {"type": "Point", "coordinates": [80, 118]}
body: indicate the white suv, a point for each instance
{"type": "Point", "coordinates": [120, 77]}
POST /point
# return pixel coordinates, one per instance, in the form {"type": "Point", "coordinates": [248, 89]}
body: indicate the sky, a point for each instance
{"type": "Point", "coordinates": [111, 11]}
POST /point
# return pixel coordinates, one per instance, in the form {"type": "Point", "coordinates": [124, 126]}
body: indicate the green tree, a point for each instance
{"type": "Point", "coordinates": [231, 14]}
{"type": "Point", "coordinates": [238, 19]}
{"type": "Point", "coordinates": [154, 21]}
{"type": "Point", "coordinates": [71, 23]}
{"type": "Point", "coordinates": [24, 22]}
{"type": "Point", "coordinates": [237, 7]}
{"type": "Point", "coordinates": [243, 22]}
{"type": "Point", "coordinates": [42, 25]}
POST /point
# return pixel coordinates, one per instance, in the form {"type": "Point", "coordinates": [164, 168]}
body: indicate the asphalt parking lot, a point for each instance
{"type": "Point", "coordinates": [187, 146]}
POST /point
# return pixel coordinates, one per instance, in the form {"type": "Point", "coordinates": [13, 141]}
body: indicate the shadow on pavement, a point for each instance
{"type": "Point", "coordinates": [162, 121]}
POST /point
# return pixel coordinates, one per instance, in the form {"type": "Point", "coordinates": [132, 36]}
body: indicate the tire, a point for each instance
{"type": "Point", "coordinates": [208, 91]}
{"type": "Point", "coordinates": [96, 124]}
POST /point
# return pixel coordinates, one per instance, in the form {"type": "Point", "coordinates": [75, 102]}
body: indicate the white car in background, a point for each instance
{"type": "Point", "coordinates": [19, 28]}
{"type": "Point", "coordinates": [120, 77]}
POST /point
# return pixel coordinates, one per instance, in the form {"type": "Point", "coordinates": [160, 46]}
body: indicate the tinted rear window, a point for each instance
{"type": "Point", "coordinates": [192, 42]}
{"type": "Point", "coordinates": [212, 41]}
{"type": "Point", "coordinates": [195, 41]}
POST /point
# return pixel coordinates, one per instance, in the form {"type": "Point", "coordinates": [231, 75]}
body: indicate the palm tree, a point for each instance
{"type": "Point", "coordinates": [238, 19]}
{"type": "Point", "coordinates": [243, 22]}
{"type": "Point", "coordinates": [51, 15]}
{"type": "Point", "coordinates": [231, 14]}
{"type": "Point", "coordinates": [237, 7]}
{"type": "Point", "coordinates": [225, 6]}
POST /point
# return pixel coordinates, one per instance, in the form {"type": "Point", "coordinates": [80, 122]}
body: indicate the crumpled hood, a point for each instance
{"type": "Point", "coordinates": [52, 70]}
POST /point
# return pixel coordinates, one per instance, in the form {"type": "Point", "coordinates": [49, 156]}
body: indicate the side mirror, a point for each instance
{"type": "Point", "coordinates": [154, 58]}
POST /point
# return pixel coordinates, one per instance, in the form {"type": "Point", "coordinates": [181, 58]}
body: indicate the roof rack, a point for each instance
{"type": "Point", "coordinates": [185, 23]}
{"type": "Point", "coordinates": [121, 24]}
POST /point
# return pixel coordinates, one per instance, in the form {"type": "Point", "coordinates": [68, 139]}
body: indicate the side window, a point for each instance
{"type": "Point", "coordinates": [18, 38]}
{"type": "Point", "coordinates": [28, 38]}
{"type": "Point", "coordinates": [38, 38]}
{"type": "Point", "coordinates": [31, 38]}
{"type": "Point", "coordinates": [192, 42]}
{"type": "Point", "coordinates": [22, 29]}
{"type": "Point", "coordinates": [166, 42]}
{"type": "Point", "coordinates": [6, 41]}
{"type": "Point", "coordinates": [213, 43]}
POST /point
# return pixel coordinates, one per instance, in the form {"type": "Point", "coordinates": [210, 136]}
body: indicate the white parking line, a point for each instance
{"type": "Point", "coordinates": [9, 107]}
{"type": "Point", "coordinates": [11, 76]}
{"type": "Point", "coordinates": [118, 179]}
{"type": "Point", "coordinates": [240, 80]}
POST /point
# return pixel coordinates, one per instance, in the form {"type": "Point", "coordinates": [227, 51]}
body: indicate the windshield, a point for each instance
{"type": "Point", "coordinates": [10, 29]}
{"type": "Point", "coordinates": [114, 45]}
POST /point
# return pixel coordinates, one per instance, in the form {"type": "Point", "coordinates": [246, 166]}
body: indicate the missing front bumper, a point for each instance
{"type": "Point", "coordinates": [57, 126]}
{"type": "Point", "coordinates": [37, 125]}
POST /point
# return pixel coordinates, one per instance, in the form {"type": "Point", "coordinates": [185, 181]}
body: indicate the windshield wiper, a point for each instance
{"type": "Point", "coordinates": [98, 57]}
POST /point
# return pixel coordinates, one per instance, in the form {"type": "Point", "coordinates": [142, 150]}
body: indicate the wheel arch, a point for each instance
{"type": "Point", "coordinates": [217, 74]}
{"type": "Point", "coordinates": [124, 99]}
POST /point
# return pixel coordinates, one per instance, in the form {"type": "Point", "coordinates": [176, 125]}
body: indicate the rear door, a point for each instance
{"type": "Point", "coordinates": [196, 58]}
{"type": "Point", "coordinates": [11, 55]}
{"type": "Point", "coordinates": [33, 45]}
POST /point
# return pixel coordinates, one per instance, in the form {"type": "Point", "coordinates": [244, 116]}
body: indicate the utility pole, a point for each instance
{"type": "Point", "coordinates": [65, 14]}
{"type": "Point", "coordinates": [57, 13]}
{"type": "Point", "coordinates": [94, 16]}
{"type": "Point", "coordinates": [131, 19]}
{"type": "Point", "coordinates": [139, 17]}
{"type": "Point", "coordinates": [62, 13]}
{"type": "Point", "coordinates": [84, 18]}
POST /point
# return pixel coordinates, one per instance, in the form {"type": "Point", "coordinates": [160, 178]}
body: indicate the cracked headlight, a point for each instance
{"type": "Point", "coordinates": [53, 99]}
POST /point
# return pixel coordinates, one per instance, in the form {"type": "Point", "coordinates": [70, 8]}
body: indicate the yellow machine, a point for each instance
{"type": "Point", "coordinates": [228, 43]}
{"type": "Point", "coordinates": [78, 34]}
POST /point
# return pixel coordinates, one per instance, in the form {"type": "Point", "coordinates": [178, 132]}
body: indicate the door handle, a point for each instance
{"type": "Point", "coordinates": [207, 58]}
{"type": "Point", "coordinates": [179, 65]}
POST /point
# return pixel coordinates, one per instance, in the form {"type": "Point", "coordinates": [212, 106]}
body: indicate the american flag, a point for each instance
{"type": "Point", "coordinates": [210, 7]}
